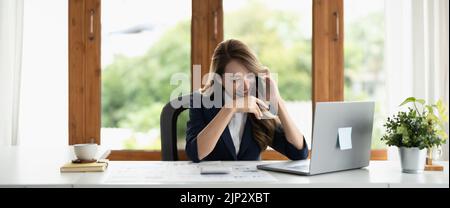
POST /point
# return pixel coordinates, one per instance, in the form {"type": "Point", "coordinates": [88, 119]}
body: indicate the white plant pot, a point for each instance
{"type": "Point", "coordinates": [412, 159]}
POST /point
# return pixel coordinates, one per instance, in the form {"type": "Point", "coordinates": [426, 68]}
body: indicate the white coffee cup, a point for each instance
{"type": "Point", "coordinates": [85, 151]}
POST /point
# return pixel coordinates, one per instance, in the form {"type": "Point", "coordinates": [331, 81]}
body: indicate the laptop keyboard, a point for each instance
{"type": "Point", "coordinates": [300, 167]}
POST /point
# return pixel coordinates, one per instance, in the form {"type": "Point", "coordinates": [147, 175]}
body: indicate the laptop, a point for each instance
{"type": "Point", "coordinates": [341, 140]}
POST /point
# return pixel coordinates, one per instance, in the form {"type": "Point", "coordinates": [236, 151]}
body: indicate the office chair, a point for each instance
{"type": "Point", "coordinates": [168, 125]}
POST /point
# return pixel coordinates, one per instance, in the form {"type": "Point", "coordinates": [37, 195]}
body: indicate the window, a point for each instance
{"type": "Point", "coordinates": [142, 46]}
{"type": "Point", "coordinates": [159, 36]}
{"type": "Point", "coordinates": [364, 59]}
{"type": "Point", "coordinates": [280, 33]}
{"type": "Point", "coordinates": [43, 113]}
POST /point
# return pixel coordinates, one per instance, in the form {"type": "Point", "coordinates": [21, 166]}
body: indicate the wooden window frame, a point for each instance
{"type": "Point", "coordinates": [84, 71]}
{"type": "Point", "coordinates": [206, 33]}
{"type": "Point", "coordinates": [328, 51]}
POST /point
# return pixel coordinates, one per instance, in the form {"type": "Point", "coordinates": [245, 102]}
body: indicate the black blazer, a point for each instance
{"type": "Point", "coordinates": [224, 149]}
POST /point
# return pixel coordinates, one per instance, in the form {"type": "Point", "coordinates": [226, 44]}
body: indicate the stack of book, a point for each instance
{"type": "Point", "coordinates": [96, 166]}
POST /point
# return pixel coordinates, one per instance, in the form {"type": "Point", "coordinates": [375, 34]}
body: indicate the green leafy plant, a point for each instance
{"type": "Point", "coordinates": [422, 126]}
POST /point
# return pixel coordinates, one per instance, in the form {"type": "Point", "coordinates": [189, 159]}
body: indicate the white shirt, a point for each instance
{"type": "Point", "coordinates": [236, 126]}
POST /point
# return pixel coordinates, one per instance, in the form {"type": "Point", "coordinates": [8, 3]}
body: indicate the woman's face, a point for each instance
{"type": "Point", "coordinates": [238, 79]}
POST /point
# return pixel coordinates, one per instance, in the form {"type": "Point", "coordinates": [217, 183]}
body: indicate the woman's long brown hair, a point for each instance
{"type": "Point", "coordinates": [226, 51]}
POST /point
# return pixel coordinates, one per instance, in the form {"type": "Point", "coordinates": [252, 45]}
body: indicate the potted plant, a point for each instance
{"type": "Point", "coordinates": [420, 128]}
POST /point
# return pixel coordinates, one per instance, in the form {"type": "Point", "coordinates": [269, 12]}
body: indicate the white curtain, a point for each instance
{"type": "Point", "coordinates": [416, 53]}
{"type": "Point", "coordinates": [11, 27]}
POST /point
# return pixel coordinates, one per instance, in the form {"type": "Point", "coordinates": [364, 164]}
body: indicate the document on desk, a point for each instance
{"type": "Point", "coordinates": [184, 172]}
{"type": "Point", "coordinates": [133, 172]}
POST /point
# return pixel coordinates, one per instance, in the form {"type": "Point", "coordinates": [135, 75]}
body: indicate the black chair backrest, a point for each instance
{"type": "Point", "coordinates": [168, 125]}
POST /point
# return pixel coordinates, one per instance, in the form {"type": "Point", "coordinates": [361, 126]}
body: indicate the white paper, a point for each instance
{"type": "Point", "coordinates": [345, 138]}
{"type": "Point", "coordinates": [183, 172]}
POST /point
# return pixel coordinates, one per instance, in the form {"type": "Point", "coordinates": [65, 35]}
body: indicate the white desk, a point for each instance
{"type": "Point", "coordinates": [37, 167]}
{"type": "Point", "coordinates": [380, 174]}
{"type": "Point", "coordinates": [29, 167]}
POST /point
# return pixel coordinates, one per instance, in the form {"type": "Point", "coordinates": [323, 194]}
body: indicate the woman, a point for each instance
{"type": "Point", "coordinates": [235, 130]}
